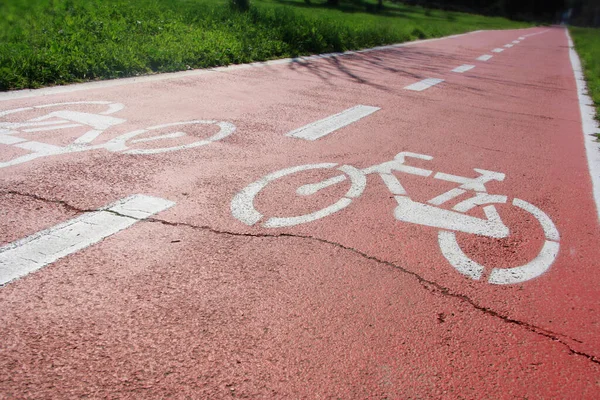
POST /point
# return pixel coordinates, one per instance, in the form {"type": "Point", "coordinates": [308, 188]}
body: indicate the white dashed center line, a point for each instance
{"type": "Point", "coordinates": [484, 57]}
{"type": "Point", "coordinates": [424, 84]}
{"type": "Point", "coordinates": [498, 50]}
{"type": "Point", "coordinates": [332, 123]}
{"type": "Point", "coordinates": [27, 255]}
{"type": "Point", "coordinates": [463, 68]}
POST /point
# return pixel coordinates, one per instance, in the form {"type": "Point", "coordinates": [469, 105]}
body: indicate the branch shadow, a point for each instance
{"type": "Point", "coordinates": [367, 67]}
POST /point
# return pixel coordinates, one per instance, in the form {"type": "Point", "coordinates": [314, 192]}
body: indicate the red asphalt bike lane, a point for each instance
{"type": "Point", "coordinates": [358, 304]}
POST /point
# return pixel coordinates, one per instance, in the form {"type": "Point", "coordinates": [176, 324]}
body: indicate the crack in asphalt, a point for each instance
{"type": "Point", "coordinates": [429, 285]}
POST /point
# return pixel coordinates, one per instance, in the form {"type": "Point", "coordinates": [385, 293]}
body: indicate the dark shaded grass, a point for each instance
{"type": "Point", "coordinates": [49, 42]}
{"type": "Point", "coordinates": [587, 44]}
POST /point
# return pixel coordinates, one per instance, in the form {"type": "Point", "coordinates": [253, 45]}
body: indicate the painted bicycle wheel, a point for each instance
{"type": "Point", "coordinates": [502, 276]}
{"type": "Point", "coordinates": [243, 207]}
{"type": "Point", "coordinates": [138, 142]}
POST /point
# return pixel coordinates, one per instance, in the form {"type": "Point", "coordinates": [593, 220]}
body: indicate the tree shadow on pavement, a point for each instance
{"type": "Point", "coordinates": [367, 67]}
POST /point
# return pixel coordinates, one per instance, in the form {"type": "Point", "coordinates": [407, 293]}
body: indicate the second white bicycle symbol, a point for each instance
{"type": "Point", "coordinates": [65, 117]}
{"type": "Point", "coordinates": [422, 213]}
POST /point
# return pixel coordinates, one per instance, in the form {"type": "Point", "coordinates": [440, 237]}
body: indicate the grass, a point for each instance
{"type": "Point", "coordinates": [587, 44]}
{"type": "Point", "coordinates": [50, 42]}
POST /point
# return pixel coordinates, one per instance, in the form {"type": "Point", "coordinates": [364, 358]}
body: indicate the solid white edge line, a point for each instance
{"type": "Point", "coordinates": [28, 93]}
{"type": "Point", "coordinates": [589, 124]}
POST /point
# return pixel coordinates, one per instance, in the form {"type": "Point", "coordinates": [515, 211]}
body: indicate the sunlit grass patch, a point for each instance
{"type": "Point", "coordinates": [49, 42]}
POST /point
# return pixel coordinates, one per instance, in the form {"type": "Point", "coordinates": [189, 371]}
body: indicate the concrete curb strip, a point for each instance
{"type": "Point", "coordinates": [589, 124]}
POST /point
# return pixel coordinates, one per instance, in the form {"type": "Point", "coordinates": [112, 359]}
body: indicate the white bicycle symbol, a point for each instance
{"type": "Point", "coordinates": [63, 118]}
{"type": "Point", "coordinates": [448, 221]}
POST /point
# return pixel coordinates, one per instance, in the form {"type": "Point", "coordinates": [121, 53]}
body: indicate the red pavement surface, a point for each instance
{"type": "Point", "coordinates": [355, 305]}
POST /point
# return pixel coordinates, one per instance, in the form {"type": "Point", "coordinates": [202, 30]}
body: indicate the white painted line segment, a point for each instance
{"type": "Point", "coordinates": [27, 255]}
{"type": "Point", "coordinates": [39, 147]}
{"type": "Point", "coordinates": [521, 38]}
{"type": "Point", "coordinates": [51, 128]}
{"type": "Point", "coordinates": [498, 50]}
{"type": "Point", "coordinates": [424, 84]}
{"type": "Point", "coordinates": [88, 137]}
{"type": "Point", "coordinates": [589, 125]}
{"type": "Point", "coordinates": [537, 33]}
{"type": "Point", "coordinates": [463, 68]}
{"type": "Point", "coordinates": [508, 46]}
{"type": "Point", "coordinates": [444, 197]}
{"type": "Point", "coordinates": [324, 127]}
{"type": "Point", "coordinates": [484, 57]}
{"type": "Point", "coordinates": [173, 135]}
{"type": "Point", "coordinates": [516, 41]}
{"type": "Point", "coordinates": [7, 139]}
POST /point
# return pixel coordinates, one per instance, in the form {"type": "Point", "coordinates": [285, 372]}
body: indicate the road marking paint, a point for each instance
{"type": "Point", "coordinates": [508, 46]}
{"type": "Point", "coordinates": [99, 122]}
{"type": "Point", "coordinates": [516, 41]}
{"type": "Point", "coordinates": [51, 128]}
{"type": "Point", "coordinates": [521, 38]}
{"type": "Point", "coordinates": [484, 57]}
{"type": "Point", "coordinates": [7, 139]}
{"type": "Point", "coordinates": [533, 269]}
{"type": "Point", "coordinates": [424, 84]}
{"type": "Point", "coordinates": [173, 135]}
{"type": "Point", "coordinates": [537, 33]}
{"type": "Point", "coordinates": [548, 226]}
{"type": "Point", "coordinates": [463, 68]}
{"type": "Point", "coordinates": [502, 276]}
{"type": "Point", "coordinates": [39, 147]}
{"type": "Point", "coordinates": [498, 50]}
{"type": "Point", "coordinates": [87, 137]}
{"type": "Point", "coordinates": [324, 127]}
{"type": "Point", "coordinates": [393, 184]}
{"type": "Point", "coordinates": [27, 255]}
{"type": "Point", "coordinates": [457, 258]}
{"type": "Point", "coordinates": [407, 210]}
{"type": "Point", "coordinates": [499, 276]}
{"type": "Point", "coordinates": [422, 214]}
{"type": "Point", "coordinates": [589, 124]}
{"type": "Point", "coordinates": [449, 195]}
{"type": "Point", "coordinates": [242, 205]}
{"type": "Point", "coordinates": [478, 200]}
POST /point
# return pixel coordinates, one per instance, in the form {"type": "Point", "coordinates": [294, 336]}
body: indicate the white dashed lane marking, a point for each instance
{"type": "Point", "coordinates": [508, 46]}
{"type": "Point", "coordinates": [498, 50]}
{"type": "Point", "coordinates": [27, 255]}
{"type": "Point", "coordinates": [424, 84]}
{"type": "Point", "coordinates": [484, 57]}
{"type": "Point", "coordinates": [332, 123]}
{"type": "Point", "coordinates": [463, 68]}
